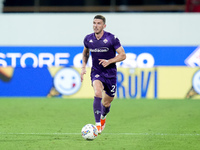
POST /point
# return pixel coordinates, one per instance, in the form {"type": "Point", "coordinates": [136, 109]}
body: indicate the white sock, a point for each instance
{"type": "Point", "coordinates": [98, 123]}
{"type": "Point", "coordinates": [103, 117]}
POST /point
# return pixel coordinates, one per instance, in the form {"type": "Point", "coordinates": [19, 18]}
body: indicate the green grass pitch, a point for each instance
{"type": "Point", "coordinates": [56, 123]}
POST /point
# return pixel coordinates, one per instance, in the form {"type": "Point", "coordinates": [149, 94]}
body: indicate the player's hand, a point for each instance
{"type": "Point", "coordinates": [104, 62]}
{"type": "Point", "coordinates": [83, 71]}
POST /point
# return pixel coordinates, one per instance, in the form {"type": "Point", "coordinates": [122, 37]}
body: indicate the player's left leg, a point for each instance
{"type": "Point", "coordinates": [106, 103]}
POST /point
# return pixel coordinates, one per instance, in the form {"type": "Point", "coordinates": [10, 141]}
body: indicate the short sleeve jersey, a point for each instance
{"type": "Point", "coordinates": [104, 48]}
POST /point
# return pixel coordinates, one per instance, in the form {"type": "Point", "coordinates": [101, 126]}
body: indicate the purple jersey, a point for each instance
{"type": "Point", "coordinates": [104, 48]}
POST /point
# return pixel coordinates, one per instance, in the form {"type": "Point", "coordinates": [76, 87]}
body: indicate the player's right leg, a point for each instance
{"type": "Point", "coordinates": [98, 88]}
{"type": "Point", "coordinates": [103, 122]}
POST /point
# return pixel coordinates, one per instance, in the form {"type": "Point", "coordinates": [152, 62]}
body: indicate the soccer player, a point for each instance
{"type": "Point", "coordinates": [103, 47]}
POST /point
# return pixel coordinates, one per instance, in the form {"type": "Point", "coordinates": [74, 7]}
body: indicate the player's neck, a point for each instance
{"type": "Point", "coordinates": [99, 35]}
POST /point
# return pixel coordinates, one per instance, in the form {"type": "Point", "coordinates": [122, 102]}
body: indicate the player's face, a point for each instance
{"type": "Point", "coordinates": [98, 26]}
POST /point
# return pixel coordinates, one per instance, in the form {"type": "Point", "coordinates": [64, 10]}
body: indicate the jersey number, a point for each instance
{"type": "Point", "coordinates": [113, 88]}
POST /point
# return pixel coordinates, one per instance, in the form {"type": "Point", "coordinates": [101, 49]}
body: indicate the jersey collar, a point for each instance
{"type": "Point", "coordinates": [101, 37]}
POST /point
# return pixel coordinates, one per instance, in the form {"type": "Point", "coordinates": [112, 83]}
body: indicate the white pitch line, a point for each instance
{"type": "Point", "coordinates": [38, 133]}
{"type": "Point", "coordinates": [157, 134]}
{"type": "Point", "coordinates": [181, 134]}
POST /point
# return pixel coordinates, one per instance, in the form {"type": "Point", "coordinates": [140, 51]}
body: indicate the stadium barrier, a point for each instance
{"type": "Point", "coordinates": [146, 8]}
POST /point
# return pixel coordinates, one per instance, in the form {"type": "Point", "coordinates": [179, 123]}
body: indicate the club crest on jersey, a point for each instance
{"type": "Point", "coordinates": [105, 41]}
{"type": "Point", "coordinates": [96, 76]}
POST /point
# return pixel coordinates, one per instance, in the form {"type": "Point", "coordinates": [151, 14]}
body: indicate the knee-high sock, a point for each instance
{"type": "Point", "coordinates": [97, 108]}
{"type": "Point", "coordinates": [105, 110]}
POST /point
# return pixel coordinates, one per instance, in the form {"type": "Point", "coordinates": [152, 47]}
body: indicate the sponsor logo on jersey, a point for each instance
{"type": "Point", "coordinates": [101, 49]}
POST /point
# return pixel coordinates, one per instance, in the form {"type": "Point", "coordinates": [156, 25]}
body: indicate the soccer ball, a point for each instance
{"type": "Point", "coordinates": [89, 132]}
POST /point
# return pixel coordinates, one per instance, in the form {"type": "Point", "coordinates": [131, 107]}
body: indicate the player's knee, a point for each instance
{"type": "Point", "coordinates": [98, 94]}
{"type": "Point", "coordinates": [106, 104]}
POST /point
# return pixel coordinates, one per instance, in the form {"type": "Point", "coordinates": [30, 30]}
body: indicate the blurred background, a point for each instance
{"type": "Point", "coordinates": [100, 5]}
{"type": "Point", "coordinates": [41, 43]}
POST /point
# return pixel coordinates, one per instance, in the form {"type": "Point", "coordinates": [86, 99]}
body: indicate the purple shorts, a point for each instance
{"type": "Point", "coordinates": [108, 83]}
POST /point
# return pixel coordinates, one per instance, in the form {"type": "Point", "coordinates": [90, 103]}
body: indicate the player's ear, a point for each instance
{"type": "Point", "coordinates": [104, 26]}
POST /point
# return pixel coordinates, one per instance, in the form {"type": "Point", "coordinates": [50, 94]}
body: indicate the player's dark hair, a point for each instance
{"type": "Point", "coordinates": [100, 17]}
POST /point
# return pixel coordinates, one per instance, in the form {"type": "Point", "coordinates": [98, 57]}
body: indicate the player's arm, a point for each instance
{"type": "Point", "coordinates": [84, 61]}
{"type": "Point", "coordinates": [120, 57]}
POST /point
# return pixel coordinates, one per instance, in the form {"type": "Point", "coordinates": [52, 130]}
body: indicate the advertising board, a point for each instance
{"type": "Point", "coordinates": [148, 72]}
